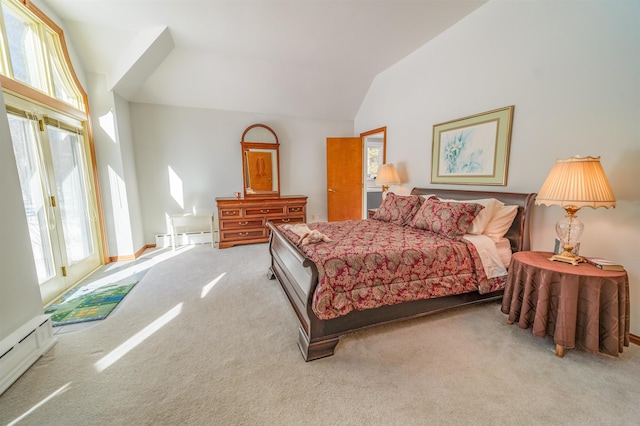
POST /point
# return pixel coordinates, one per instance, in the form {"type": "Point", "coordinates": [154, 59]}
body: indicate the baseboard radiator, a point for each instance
{"type": "Point", "coordinates": [186, 239]}
{"type": "Point", "coordinates": [23, 347]}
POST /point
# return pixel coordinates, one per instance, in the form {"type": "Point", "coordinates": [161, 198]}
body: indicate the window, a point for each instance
{"type": "Point", "coordinates": [59, 202]}
{"type": "Point", "coordinates": [46, 110]}
{"type": "Point", "coordinates": [373, 160]}
{"type": "Point", "coordinates": [32, 54]}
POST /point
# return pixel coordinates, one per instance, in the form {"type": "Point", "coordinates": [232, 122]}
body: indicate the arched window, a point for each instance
{"type": "Point", "coordinates": [33, 54]}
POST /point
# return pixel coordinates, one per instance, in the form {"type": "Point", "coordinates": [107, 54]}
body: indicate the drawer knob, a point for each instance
{"type": "Point", "coordinates": [264, 211]}
{"type": "Point", "coordinates": [243, 234]}
{"type": "Point", "coordinates": [286, 219]}
{"type": "Point", "coordinates": [295, 209]}
{"type": "Point", "coordinates": [243, 223]}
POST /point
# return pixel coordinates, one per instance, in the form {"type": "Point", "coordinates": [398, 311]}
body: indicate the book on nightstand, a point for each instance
{"type": "Point", "coordinates": [604, 264]}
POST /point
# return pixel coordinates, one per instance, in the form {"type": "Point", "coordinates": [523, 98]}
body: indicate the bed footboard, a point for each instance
{"type": "Point", "coordinates": [298, 277]}
{"type": "Point", "coordinates": [296, 274]}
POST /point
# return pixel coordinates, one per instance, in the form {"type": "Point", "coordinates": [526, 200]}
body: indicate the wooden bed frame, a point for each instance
{"type": "Point", "coordinates": [298, 276]}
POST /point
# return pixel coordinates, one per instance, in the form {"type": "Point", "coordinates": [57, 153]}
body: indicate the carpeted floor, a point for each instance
{"type": "Point", "coordinates": [207, 339]}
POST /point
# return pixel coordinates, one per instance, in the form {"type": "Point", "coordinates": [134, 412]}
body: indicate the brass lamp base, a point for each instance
{"type": "Point", "coordinates": [567, 257]}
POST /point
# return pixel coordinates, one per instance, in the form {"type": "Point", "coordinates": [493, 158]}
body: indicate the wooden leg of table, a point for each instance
{"type": "Point", "coordinates": [559, 351]}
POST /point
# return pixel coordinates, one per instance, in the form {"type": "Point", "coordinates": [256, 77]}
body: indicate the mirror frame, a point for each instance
{"type": "Point", "coordinates": [249, 145]}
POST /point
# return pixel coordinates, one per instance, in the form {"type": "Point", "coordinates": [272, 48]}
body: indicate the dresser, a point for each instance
{"type": "Point", "coordinates": [243, 220]}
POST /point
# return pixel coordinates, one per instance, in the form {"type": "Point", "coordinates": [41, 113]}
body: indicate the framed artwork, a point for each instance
{"type": "Point", "coordinates": [473, 150]}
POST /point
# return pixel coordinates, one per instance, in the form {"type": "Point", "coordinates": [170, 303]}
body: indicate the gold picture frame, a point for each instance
{"type": "Point", "coordinates": [473, 150]}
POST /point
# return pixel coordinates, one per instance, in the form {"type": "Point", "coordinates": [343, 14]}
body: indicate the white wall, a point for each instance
{"type": "Point", "coordinates": [129, 175]}
{"type": "Point", "coordinates": [116, 168]}
{"type": "Point", "coordinates": [572, 71]}
{"type": "Point", "coordinates": [19, 290]}
{"type": "Point", "coordinates": [202, 148]}
{"type": "Point", "coordinates": [125, 139]}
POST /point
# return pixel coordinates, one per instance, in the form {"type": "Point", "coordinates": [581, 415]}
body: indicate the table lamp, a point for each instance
{"type": "Point", "coordinates": [574, 183]}
{"type": "Point", "coordinates": [387, 175]}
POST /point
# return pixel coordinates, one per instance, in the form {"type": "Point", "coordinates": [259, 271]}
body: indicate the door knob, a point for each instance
{"type": "Point", "coordinates": [332, 190]}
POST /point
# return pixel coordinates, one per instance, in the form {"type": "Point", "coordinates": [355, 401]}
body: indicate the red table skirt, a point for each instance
{"type": "Point", "coordinates": [580, 306]}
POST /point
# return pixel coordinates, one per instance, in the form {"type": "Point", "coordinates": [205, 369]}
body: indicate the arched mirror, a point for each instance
{"type": "Point", "coordinates": [260, 161]}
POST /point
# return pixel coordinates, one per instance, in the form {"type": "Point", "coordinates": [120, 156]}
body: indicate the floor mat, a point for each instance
{"type": "Point", "coordinates": [88, 304]}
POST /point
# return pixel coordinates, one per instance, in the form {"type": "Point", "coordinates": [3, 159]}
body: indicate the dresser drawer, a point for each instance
{"type": "Point", "coordinates": [295, 210]}
{"type": "Point", "coordinates": [264, 211]}
{"type": "Point", "coordinates": [230, 213]}
{"type": "Point", "coordinates": [240, 235]}
{"type": "Point", "coordinates": [227, 224]}
{"type": "Point", "coordinates": [282, 220]}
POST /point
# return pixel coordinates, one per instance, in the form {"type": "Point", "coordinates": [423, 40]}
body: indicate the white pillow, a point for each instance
{"type": "Point", "coordinates": [501, 222]}
{"type": "Point", "coordinates": [479, 224]}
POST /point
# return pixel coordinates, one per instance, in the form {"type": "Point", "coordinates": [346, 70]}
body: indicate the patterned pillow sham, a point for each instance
{"type": "Point", "coordinates": [491, 206]}
{"type": "Point", "coordinates": [398, 209]}
{"type": "Point", "coordinates": [449, 219]}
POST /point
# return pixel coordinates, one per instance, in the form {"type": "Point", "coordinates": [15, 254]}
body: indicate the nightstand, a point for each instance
{"type": "Point", "coordinates": [580, 306]}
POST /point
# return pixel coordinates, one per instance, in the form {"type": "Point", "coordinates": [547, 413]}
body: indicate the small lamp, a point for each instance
{"type": "Point", "coordinates": [387, 175]}
{"type": "Point", "coordinates": [572, 184]}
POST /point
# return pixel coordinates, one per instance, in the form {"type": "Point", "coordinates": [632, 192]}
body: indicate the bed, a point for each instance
{"type": "Point", "coordinates": [324, 315]}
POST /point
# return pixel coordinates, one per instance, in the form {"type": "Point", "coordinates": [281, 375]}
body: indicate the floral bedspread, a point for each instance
{"type": "Point", "coordinates": [370, 263]}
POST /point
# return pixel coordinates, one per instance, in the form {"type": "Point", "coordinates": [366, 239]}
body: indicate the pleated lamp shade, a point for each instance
{"type": "Point", "coordinates": [578, 182]}
{"type": "Point", "coordinates": [387, 175]}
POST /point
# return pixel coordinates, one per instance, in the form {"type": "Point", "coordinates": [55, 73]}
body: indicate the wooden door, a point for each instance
{"type": "Point", "coordinates": [344, 179]}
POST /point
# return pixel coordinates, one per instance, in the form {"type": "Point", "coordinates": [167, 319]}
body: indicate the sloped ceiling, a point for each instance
{"type": "Point", "coordinates": [307, 58]}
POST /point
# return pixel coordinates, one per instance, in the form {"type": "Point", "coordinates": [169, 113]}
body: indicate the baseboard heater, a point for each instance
{"type": "Point", "coordinates": [186, 238]}
{"type": "Point", "coordinates": [23, 347]}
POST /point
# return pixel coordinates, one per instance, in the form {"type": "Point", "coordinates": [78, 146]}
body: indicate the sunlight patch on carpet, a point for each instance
{"type": "Point", "coordinates": [40, 404]}
{"type": "Point", "coordinates": [207, 288]}
{"type": "Point", "coordinates": [138, 338]}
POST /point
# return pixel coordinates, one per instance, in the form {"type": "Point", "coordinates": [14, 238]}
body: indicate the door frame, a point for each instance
{"type": "Point", "coordinates": [364, 135]}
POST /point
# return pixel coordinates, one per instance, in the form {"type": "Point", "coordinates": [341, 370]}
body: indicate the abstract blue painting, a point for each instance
{"type": "Point", "coordinates": [469, 151]}
{"type": "Point", "coordinates": [473, 150]}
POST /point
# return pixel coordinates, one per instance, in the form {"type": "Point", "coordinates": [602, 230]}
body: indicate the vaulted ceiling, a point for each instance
{"type": "Point", "coordinates": [308, 58]}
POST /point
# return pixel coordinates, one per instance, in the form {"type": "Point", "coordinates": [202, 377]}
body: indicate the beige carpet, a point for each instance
{"type": "Point", "coordinates": [221, 350]}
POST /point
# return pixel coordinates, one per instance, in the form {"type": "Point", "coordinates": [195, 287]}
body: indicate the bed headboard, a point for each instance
{"type": "Point", "coordinates": [518, 234]}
